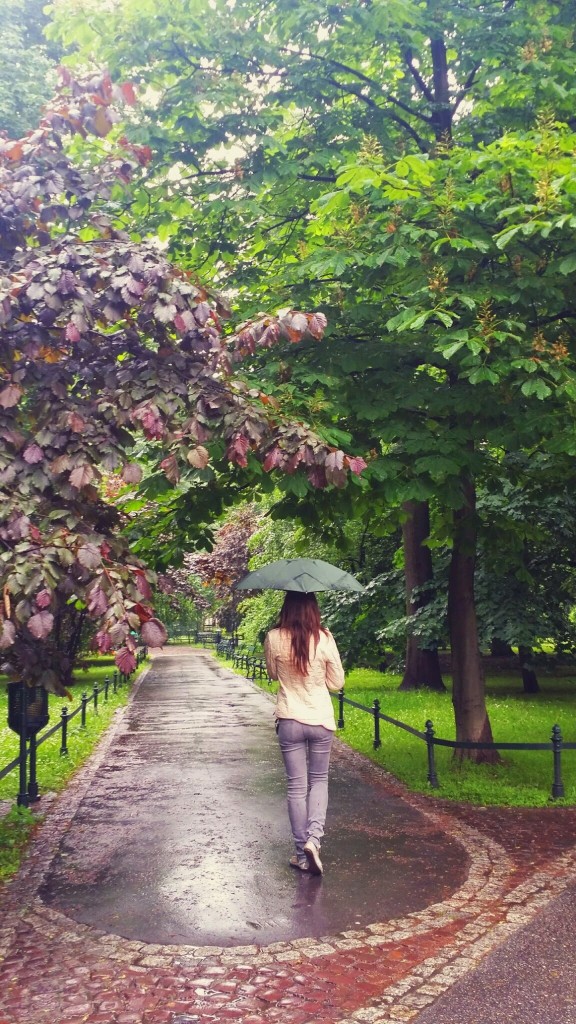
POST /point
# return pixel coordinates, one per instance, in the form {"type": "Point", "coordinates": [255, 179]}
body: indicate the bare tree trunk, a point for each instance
{"type": "Point", "coordinates": [422, 668]}
{"type": "Point", "coordinates": [441, 110]}
{"type": "Point", "coordinates": [529, 677]}
{"type": "Point", "coordinates": [468, 692]}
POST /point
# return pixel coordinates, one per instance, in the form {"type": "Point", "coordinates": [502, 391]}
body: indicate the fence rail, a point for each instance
{"type": "Point", "coordinates": [195, 636]}
{"type": "Point", "coordinates": [28, 791]}
{"type": "Point", "coordinates": [253, 663]}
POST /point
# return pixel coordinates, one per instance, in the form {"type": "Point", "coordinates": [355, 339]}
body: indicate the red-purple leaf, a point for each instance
{"type": "Point", "coordinates": [274, 458]}
{"type": "Point", "coordinates": [298, 323]}
{"type": "Point", "coordinates": [103, 641]}
{"type": "Point", "coordinates": [118, 633]}
{"type": "Point", "coordinates": [335, 460]}
{"type": "Point", "coordinates": [237, 450]}
{"type": "Point", "coordinates": [97, 602]}
{"type": "Point", "coordinates": [72, 333]}
{"type": "Point", "coordinates": [170, 467]}
{"type": "Point", "coordinates": [317, 476]}
{"type": "Point", "coordinates": [143, 585]}
{"type": "Point", "coordinates": [77, 424]}
{"type": "Point", "coordinates": [128, 93]}
{"type": "Point", "coordinates": [202, 313]}
{"type": "Point", "coordinates": [355, 464]}
{"type": "Point", "coordinates": [10, 396]}
{"type": "Point", "coordinates": [198, 457]}
{"type": "Point", "coordinates": [44, 599]}
{"type": "Point", "coordinates": [7, 634]}
{"type": "Point", "coordinates": [81, 476]}
{"type": "Point", "coordinates": [33, 454]}
{"type": "Point", "coordinates": [40, 625]}
{"type": "Point", "coordinates": [89, 556]}
{"type": "Point", "coordinates": [184, 321]}
{"type": "Point", "coordinates": [153, 633]}
{"type": "Point", "coordinates": [125, 660]}
{"type": "Point", "coordinates": [132, 473]}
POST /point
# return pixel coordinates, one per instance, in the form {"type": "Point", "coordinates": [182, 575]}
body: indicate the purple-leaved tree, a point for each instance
{"type": "Point", "coordinates": [103, 341]}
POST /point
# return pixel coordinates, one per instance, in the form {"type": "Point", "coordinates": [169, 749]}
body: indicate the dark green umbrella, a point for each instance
{"type": "Point", "coordinates": [303, 574]}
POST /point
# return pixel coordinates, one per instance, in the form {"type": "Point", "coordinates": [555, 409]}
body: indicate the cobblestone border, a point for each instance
{"type": "Point", "coordinates": [405, 999]}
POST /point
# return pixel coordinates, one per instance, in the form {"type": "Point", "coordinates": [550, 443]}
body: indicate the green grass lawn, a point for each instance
{"type": "Point", "coordinates": [53, 770]}
{"type": "Point", "coordinates": [522, 779]}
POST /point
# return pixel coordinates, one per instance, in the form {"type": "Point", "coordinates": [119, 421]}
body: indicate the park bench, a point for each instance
{"type": "Point", "coordinates": [226, 647]}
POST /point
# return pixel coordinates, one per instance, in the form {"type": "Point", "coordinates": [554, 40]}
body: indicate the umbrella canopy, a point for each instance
{"type": "Point", "coordinates": [303, 574]}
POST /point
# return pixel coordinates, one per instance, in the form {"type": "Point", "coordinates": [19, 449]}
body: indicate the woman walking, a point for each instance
{"type": "Point", "coordinates": [303, 657]}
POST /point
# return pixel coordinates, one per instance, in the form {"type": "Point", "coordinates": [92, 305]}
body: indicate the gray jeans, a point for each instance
{"type": "Point", "coordinates": [306, 753]}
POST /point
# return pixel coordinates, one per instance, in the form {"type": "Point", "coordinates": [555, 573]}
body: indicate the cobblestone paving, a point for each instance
{"type": "Point", "coordinates": [56, 971]}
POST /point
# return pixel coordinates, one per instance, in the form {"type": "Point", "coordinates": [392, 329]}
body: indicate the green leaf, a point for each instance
{"type": "Point", "coordinates": [535, 387]}
{"type": "Point", "coordinates": [568, 265]}
{"type": "Point", "coordinates": [452, 349]}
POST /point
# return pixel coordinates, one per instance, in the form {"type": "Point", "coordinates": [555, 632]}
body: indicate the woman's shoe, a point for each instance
{"type": "Point", "coordinates": [299, 862]}
{"type": "Point", "coordinates": [313, 857]}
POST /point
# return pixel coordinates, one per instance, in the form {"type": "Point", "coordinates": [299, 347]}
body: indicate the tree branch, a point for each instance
{"type": "Point", "coordinates": [331, 178]}
{"type": "Point", "coordinates": [410, 110]}
{"type": "Point", "coordinates": [466, 87]}
{"type": "Point", "coordinates": [427, 92]}
{"type": "Point", "coordinates": [420, 142]}
{"type": "Point", "coordinates": [353, 92]}
{"type": "Point", "coordinates": [338, 65]}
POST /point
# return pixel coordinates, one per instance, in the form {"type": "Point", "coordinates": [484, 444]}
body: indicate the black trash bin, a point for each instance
{"type": "Point", "coordinates": [36, 711]}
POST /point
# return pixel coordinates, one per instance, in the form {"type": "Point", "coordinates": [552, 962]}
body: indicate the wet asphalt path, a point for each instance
{"type": "Point", "coordinates": [184, 836]}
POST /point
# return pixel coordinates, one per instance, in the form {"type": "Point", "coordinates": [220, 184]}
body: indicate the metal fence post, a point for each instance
{"type": "Point", "coordinates": [95, 693]}
{"type": "Point", "coordinates": [557, 785]}
{"type": "Point", "coordinates": [377, 741]}
{"type": "Point", "coordinates": [32, 780]}
{"type": "Point", "coordinates": [64, 740]}
{"type": "Point", "coordinates": [115, 682]}
{"type": "Point", "coordinates": [84, 701]}
{"type": "Point", "coordinates": [106, 686]}
{"type": "Point", "coordinates": [22, 798]}
{"type": "Point", "coordinates": [341, 708]}
{"type": "Point", "coordinates": [432, 777]}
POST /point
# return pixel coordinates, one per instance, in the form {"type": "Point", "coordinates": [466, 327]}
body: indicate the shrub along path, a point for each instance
{"type": "Point", "coordinates": [157, 889]}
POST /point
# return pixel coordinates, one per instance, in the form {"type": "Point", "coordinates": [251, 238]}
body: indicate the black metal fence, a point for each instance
{"type": "Point", "coordinates": [556, 745]}
{"type": "Point", "coordinates": [25, 762]}
{"type": "Point", "coordinates": [252, 665]}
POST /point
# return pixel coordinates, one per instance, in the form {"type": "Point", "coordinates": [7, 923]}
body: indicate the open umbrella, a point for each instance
{"type": "Point", "coordinates": [303, 574]}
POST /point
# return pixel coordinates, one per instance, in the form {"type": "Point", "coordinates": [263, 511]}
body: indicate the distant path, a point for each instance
{"type": "Point", "coordinates": [183, 835]}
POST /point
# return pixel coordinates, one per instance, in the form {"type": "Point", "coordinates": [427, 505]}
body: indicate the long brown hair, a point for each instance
{"type": "Point", "coordinates": [300, 615]}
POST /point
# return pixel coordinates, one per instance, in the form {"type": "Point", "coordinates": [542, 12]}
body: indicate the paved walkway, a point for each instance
{"type": "Point", "coordinates": [157, 889]}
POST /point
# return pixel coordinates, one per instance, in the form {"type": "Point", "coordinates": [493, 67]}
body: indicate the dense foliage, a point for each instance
{"type": "Point", "coordinates": [408, 167]}
{"type": "Point", "coordinates": [104, 341]}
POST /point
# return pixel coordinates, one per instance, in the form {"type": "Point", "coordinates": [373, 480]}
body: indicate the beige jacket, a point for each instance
{"type": "Point", "coordinates": [306, 698]}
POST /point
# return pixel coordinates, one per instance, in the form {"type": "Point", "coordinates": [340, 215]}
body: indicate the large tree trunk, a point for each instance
{"type": "Point", "coordinates": [422, 668]}
{"type": "Point", "coordinates": [468, 694]}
